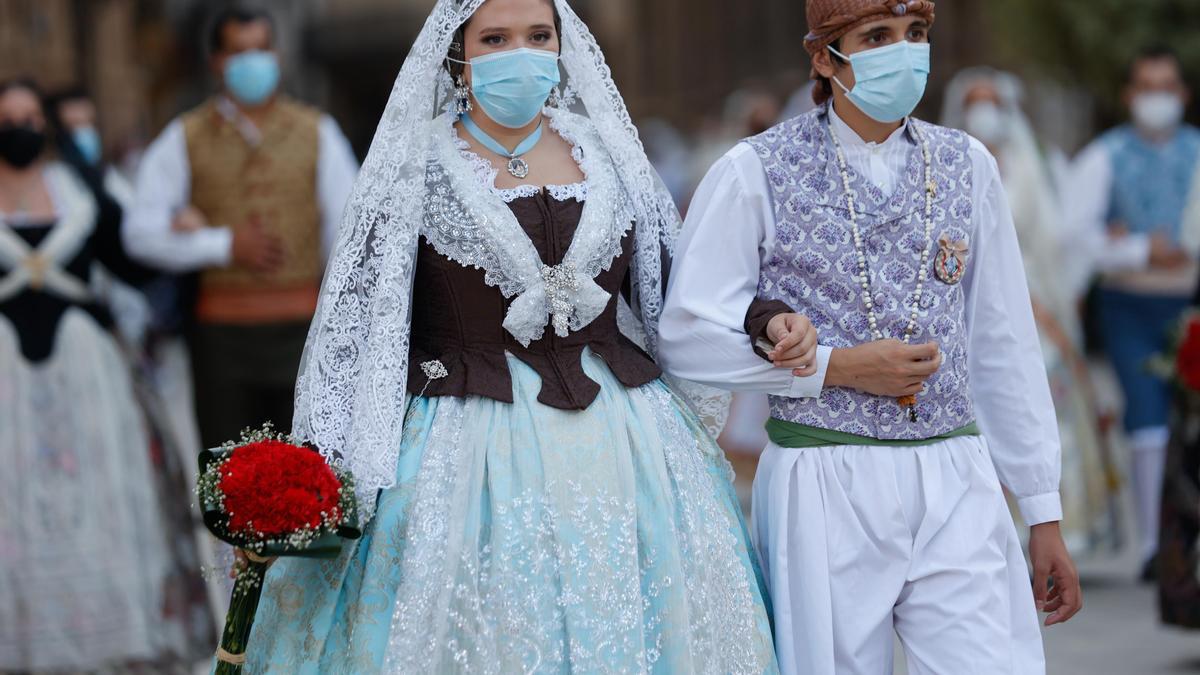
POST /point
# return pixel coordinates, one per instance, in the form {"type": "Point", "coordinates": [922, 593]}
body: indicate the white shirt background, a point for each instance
{"type": "Point", "coordinates": [163, 187]}
{"type": "Point", "coordinates": [1124, 261]}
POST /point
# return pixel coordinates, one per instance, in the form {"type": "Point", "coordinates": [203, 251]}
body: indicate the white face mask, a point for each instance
{"type": "Point", "coordinates": [1157, 112]}
{"type": "Point", "coordinates": [987, 122]}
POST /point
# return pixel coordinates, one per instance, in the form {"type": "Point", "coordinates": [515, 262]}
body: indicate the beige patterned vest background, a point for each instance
{"type": "Point", "coordinates": [275, 183]}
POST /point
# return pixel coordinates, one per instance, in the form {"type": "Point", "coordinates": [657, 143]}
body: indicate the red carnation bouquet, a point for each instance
{"type": "Point", "coordinates": [270, 497]}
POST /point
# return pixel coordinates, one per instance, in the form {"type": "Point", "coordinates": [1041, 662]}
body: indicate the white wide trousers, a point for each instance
{"type": "Point", "coordinates": [859, 542]}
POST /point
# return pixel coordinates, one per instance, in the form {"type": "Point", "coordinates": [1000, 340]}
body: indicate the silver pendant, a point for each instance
{"type": "Point", "coordinates": [518, 167]}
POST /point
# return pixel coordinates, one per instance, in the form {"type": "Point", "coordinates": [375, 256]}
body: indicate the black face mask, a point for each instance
{"type": "Point", "coordinates": [20, 145]}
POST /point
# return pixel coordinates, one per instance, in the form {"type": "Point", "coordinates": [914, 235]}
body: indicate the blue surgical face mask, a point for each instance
{"type": "Point", "coordinates": [512, 86]}
{"type": "Point", "coordinates": [889, 81]}
{"type": "Point", "coordinates": [251, 77]}
{"type": "Point", "coordinates": [87, 141]}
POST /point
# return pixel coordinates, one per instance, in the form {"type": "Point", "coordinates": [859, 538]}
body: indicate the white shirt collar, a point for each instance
{"type": "Point", "coordinates": [850, 138]}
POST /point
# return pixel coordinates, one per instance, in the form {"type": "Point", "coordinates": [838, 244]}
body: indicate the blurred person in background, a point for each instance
{"type": "Point", "coordinates": [1130, 191]}
{"type": "Point", "coordinates": [246, 190]}
{"type": "Point", "coordinates": [987, 104]}
{"type": "Point", "coordinates": [878, 505]}
{"type": "Point", "coordinates": [83, 558]}
{"type": "Point", "coordinates": [670, 154]}
{"type": "Point", "coordinates": [150, 318]}
{"type": "Point", "coordinates": [147, 322]}
{"type": "Point", "coordinates": [74, 114]}
{"type": "Point", "coordinates": [800, 102]}
{"type": "Point", "coordinates": [747, 111]}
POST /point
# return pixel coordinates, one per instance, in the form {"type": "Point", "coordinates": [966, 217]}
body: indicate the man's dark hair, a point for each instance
{"type": "Point", "coordinates": [1154, 52]}
{"type": "Point", "coordinates": [236, 14]}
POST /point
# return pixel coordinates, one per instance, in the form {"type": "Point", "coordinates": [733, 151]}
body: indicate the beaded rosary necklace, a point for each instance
{"type": "Point", "coordinates": [864, 278]}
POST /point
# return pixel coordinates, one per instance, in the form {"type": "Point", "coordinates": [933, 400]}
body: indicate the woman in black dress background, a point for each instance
{"type": "Point", "coordinates": [83, 560]}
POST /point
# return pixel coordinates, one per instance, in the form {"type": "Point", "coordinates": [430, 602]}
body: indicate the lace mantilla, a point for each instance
{"type": "Point", "coordinates": [351, 391]}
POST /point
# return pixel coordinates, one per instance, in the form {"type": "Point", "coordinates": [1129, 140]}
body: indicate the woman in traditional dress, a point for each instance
{"type": "Point", "coordinates": [987, 104]}
{"type": "Point", "coordinates": [538, 500]}
{"type": "Point", "coordinates": [82, 554]}
{"type": "Point", "coordinates": [161, 384]}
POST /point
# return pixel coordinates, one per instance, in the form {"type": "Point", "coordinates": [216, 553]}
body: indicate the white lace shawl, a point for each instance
{"type": "Point", "coordinates": [469, 223]}
{"type": "Point", "coordinates": [351, 391]}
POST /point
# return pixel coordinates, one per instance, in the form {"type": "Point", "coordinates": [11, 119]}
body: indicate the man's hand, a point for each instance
{"type": "Point", "coordinates": [188, 219]}
{"type": "Point", "coordinates": [1051, 562]}
{"type": "Point", "coordinates": [795, 341]}
{"type": "Point", "coordinates": [256, 249]}
{"type": "Point", "coordinates": [884, 368]}
{"type": "Point", "coordinates": [1164, 254]}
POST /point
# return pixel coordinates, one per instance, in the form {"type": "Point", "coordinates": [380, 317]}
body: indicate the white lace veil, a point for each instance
{"type": "Point", "coordinates": [351, 392]}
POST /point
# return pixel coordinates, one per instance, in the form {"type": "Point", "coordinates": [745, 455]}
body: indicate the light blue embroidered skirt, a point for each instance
{"type": "Point", "coordinates": [521, 538]}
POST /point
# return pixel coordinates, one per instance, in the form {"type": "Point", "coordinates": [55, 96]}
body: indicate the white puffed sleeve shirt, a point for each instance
{"type": "Point", "coordinates": [163, 187]}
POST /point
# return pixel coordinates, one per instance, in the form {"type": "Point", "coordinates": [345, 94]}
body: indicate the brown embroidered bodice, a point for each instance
{"type": "Point", "coordinates": [457, 320]}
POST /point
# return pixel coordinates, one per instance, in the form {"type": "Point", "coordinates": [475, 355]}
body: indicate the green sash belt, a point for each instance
{"type": "Point", "coordinates": [792, 435]}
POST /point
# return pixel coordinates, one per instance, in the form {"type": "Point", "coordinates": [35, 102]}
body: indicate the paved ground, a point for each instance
{"type": "Point", "coordinates": [1118, 632]}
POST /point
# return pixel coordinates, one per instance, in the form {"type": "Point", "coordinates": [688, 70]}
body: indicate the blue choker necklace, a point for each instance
{"type": "Point", "coordinates": [517, 166]}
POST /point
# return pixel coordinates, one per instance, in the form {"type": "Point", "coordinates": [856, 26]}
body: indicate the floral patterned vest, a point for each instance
{"type": "Point", "coordinates": [814, 269]}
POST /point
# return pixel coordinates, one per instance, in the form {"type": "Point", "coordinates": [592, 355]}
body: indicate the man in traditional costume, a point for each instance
{"type": "Point", "coordinates": [1132, 190]}
{"type": "Point", "coordinates": [247, 189]}
{"type": "Point", "coordinates": [878, 505]}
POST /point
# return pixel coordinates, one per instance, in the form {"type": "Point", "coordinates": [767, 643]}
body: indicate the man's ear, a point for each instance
{"type": "Point", "coordinates": [823, 63]}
